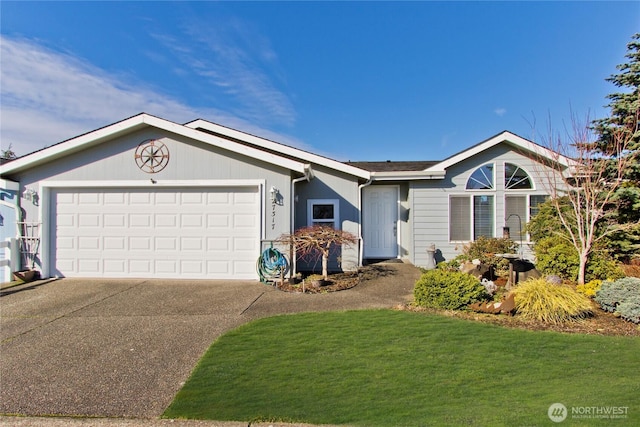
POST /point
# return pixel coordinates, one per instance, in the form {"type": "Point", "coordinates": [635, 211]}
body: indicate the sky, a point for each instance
{"type": "Point", "coordinates": [352, 81]}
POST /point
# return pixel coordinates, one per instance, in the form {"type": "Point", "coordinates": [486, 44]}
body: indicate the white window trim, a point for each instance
{"type": "Point", "coordinates": [527, 196]}
{"type": "Point", "coordinates": [482, 190]}
{"type": "Point", "coordinates": [472, 194]}
{"type": "Point", "coordinates": [336, 211]}
{"type": "Point", "coordinates": [515, 190]}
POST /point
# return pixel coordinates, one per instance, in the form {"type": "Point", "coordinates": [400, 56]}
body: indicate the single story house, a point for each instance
{"type": "Point", "coordinates": [147, 197]}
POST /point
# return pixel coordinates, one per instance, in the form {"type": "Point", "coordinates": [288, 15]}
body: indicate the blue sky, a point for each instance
{"type": "Point", "coordinates": [350, 80]}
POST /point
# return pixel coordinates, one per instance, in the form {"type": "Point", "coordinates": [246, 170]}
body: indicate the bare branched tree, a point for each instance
{"type": "Point", "coordinates": [318, 242]}
{"type": "Point", "coordinates": [583, 194]}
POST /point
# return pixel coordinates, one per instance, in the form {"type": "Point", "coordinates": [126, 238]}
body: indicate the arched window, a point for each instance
{"type": "Point", "coordinates": [516, 178]}
{"type": "Point", "coordinates": [474, 215]}
{"type": "Point", "coordinates": [481, 178]}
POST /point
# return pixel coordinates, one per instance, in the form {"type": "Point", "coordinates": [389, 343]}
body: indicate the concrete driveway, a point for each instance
{"type": "Point", "coordinates": [123, 348]}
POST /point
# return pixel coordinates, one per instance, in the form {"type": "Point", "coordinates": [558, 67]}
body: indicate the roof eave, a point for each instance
{"type": "Point", "coordinates": [407, 175]}
{"type": "Point", "coordinates": [73, 145]}
{"type": "Point", "coordinates": [137, 122]}
{"type": "Point", "coordinates": [282, 148]}
{"type": "Point", "coordinates": [509, 138]}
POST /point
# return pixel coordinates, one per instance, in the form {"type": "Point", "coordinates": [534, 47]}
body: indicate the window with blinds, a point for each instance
{"type": "Point", "coordinates": [459, 218]}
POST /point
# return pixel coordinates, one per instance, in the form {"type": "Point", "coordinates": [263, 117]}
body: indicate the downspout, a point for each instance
{"type": "Point", "coordinates": [308, 176]}
{"type": "Point", "coordinates": [360, 240]}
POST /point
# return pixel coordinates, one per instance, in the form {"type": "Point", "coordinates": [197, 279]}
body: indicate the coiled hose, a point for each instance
{"type": "Point", "coordinates": [272, 264]}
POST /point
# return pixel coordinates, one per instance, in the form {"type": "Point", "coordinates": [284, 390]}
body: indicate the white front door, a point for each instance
{"type": "Point", "coordinates": [380, 221]}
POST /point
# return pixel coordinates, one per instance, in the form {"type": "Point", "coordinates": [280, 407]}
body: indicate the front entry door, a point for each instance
{"type": "Point", "coordinates": [380, 221]}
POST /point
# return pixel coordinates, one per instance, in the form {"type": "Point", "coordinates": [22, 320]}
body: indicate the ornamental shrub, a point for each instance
{"type": "Point", "coordinates": [622, 297]}
{"type": "Point", "coordinates": [554, 255]}
{"type": "Point", "coordinates": [449, 290]}
{"type": "Point", "coordinates": [536, 299]}
{"type": "Point", "coordinates": [590, 288]}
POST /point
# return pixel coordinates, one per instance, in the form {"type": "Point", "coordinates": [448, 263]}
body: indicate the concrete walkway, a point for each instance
{"type": "Point", "coordinates": [123, 348]}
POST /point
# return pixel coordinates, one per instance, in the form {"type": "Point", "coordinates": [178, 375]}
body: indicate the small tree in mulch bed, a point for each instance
{"type": "Point", "coordinates": [318, 242]}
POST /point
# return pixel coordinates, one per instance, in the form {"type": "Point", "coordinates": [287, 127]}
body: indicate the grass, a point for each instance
{"type": "Point", "coordinates": [395, 368]}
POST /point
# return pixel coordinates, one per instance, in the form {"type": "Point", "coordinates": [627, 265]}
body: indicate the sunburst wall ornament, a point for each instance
{"type": "Point", "coordinates": [151, 156]}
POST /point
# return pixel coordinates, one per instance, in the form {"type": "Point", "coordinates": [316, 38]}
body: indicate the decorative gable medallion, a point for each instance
{"type": "Point", "coordinates": [152, 156]}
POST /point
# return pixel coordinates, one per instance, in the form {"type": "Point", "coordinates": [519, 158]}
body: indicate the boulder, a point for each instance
{"type": "Point", "coordinates": [480, 271]}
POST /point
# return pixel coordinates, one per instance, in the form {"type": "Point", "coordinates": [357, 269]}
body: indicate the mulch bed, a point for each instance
{"type": "Point", "coordinates": [601, 323]}
{"type": "Point", "coordinates": [338, 281]}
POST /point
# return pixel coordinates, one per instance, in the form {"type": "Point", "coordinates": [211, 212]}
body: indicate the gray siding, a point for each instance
{"type": "Point", "coordinates": [430, 200]}
{"type": "Point", "coordinates": [329, 184]}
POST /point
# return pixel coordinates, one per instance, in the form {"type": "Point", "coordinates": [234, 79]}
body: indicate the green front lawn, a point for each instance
{"type": "Point", "coordinates": [393, 368]}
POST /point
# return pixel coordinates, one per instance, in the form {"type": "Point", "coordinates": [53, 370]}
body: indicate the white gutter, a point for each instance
{"type": "Point", "coordinates": [308, 176]}
{"type": "Point", "coordinates": [360, 240]}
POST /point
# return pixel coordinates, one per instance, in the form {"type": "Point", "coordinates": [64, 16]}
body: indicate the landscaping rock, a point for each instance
{"type": "Point", "coordinates": [480, 271]}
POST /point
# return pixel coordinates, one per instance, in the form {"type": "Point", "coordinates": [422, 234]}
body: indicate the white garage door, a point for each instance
{"type": "Point", "coordinates": [199, 233]}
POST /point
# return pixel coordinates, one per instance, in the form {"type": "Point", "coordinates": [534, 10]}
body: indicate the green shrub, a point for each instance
{"type": "Point", "coordinates": [485, 248]}
{"type": "Point", "coordinates": [604, 267]}
{"type": "Point", "coordinates": [452, 265]}
{"type": "Point", "coordinates": [590, 288]}
{"type": "Point", "coordinates": [621, 297]}
{"type": "Point", "coordinates": [536, 299]}
{"type": "Point", "coordinates": [556, 256]}
{"type": "Point", "coordinates": [449, 290]}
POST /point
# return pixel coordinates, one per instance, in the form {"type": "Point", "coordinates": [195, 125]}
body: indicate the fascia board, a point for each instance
{"type": "Point", "coordinates": [284, 149]}
{"type": "Point", "coordinates": [7, 184]}
{"type": "Point", "coordinates": [226, 144]}
{"type": "Point", "coordinates": [406, 176]}
{"type": "Point", "coordinates": [506, 137]}
{"type": "Point", "coordinates": [75, 144]}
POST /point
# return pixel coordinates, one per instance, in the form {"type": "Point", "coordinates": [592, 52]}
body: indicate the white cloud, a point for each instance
{"type": "Point", "coordinates": [500, 111]}
{"type": "Point", "coordinates": [48, 97]}
{"type": "Point", "coordinates": [239, 62]}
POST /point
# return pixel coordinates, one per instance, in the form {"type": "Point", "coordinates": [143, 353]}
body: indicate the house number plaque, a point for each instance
{"type": "Point", "coordinates": [152, 156]}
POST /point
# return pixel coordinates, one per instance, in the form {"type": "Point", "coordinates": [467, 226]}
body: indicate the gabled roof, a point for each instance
{"type": "Point", "coordinates": [421, 170]}
{"type": "Point", "coordinates": [141, 121]}
{"type": "Point", "coordinates": [505, 137]}
{"type": "Point", "coordinates": [275, 147]}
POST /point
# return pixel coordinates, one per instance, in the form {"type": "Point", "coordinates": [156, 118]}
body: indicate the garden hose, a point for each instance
{"type": "Point", "coordinates": [272, 264]}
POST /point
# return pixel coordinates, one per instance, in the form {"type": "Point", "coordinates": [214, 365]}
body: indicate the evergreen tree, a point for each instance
{"type": "Point", "coordinates": [623, 124]}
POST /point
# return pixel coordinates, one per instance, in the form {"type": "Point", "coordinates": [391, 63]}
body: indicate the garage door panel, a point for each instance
{"type": "Point", "coordinates": [89, 220]}
{"type": "Point", "coordinates": [89, 243]}
{"type": "Point", "coordinates": [116, 267]}
{"type": "Point", "coordinates": [89, 266]}
{"type": "Point", "coordinates": [169, 233]}
{"type": "Point", "coordinates": [165, 244]}
{"type": "Point", "coordinates": [115, 243]}
{"type": "Point", "coordinates": [137, 221]}
{"type": "Point", "coordinates": [139, 266]}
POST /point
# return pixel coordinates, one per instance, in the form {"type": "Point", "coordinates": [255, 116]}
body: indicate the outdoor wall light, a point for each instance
{"type": "Point", "coordinates": [273, 192]}
{"type": "Point", "coordinates": [31, 195]}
